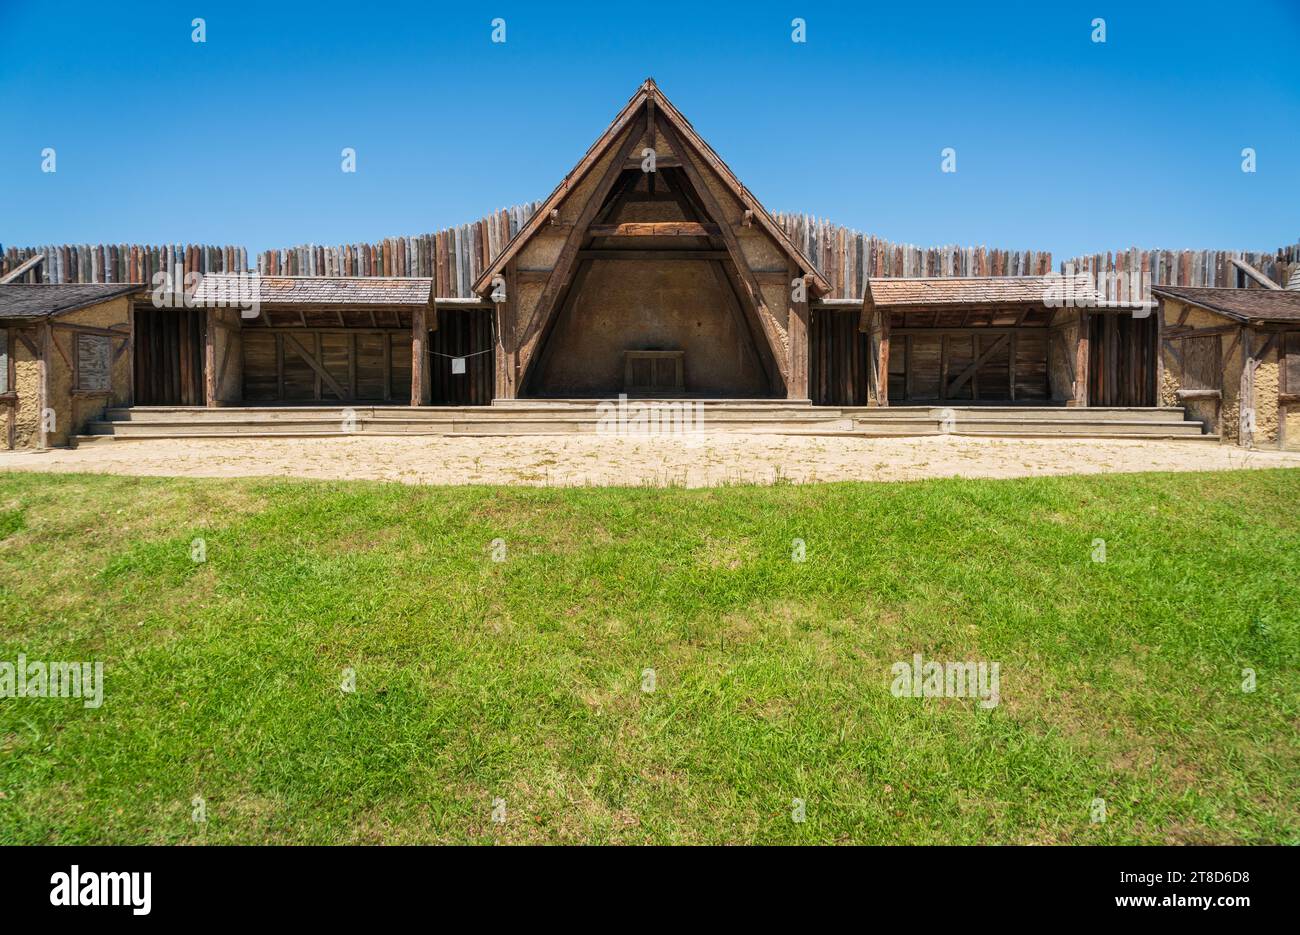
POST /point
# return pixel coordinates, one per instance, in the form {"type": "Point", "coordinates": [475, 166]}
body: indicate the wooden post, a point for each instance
{"type": "Point", "coordinates": [210, 359]}
{"type": "Point", "coordinates": [797, 385]}
{"type": "Point", "coordinates": [1283, 390]}
{"type": "Point", "coordinates": [882, 373]}
{"type": "Point", "coordinates": [507, 351]}
{"type": "Point", "coordinates": [1159, 312]}
{"type": "Point", "coordinates": [130, 353]}
{"type": "Point", "coordinates": [43, 384]}
{"type": "Point", "coordinates": [1246, 391]}
{"type": "Point", "coordinates": [419, 356]}
{"type": "Point", "coordinates": [1081, 352]}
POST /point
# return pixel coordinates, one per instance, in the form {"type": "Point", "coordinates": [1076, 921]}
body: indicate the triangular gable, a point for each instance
{"type": "Point", "coordinates": [677, 130]}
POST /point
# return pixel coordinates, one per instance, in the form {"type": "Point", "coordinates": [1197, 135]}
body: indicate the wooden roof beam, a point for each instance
{"type": "Point", "coordinates": [1255, 274]}
{"type": "Point", "coordinates": [655, 229]}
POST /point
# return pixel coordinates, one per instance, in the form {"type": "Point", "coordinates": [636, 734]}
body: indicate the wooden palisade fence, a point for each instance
{"type": "Point", "coordinates": [454, 257]}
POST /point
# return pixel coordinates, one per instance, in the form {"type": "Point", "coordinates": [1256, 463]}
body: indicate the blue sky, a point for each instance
{"type": "Point", "coordinates": [1062, 144]}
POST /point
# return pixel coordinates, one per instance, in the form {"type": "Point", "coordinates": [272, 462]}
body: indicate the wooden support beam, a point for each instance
{"type": "Point", "coordinates": [882, 390]}
{"type": "Point", "coordinates": [210, 360]}
{"type": "Point", "coordinates": [1011, 366]}
{"type": "Point", "coordinates": [1246, 392]}
{"type": "Point", "coordinates": [294, 343]}
{"type": "Point", "coordinates": [653, 255]}
{"type": "Point", "coordinates": [1255, 274]}
{"type": "Point", "coordinates": [547, 347]}
{"type": "Point", "coordinates": [28, 343]}
{"type": "Point", "coordinates": [419, 356]}
{"type": "Point", "coordinates": [1081, 352]}
{"type": "Point", "coordinates": [22, 267]}
{"type": "Point", "coordinates": [506, 348]}
{"type": "Point", "coordinates": [1179, 334]}
{"type": "Point", "coordinates": [796, 385]}
{"type": "Point", "coordinates": [713, 209]}
{"type": "Point", "coordinates": [661, 162]}
{"type": "Point", "coordinates": [654, 229]}
{"type": "Point", "coordinates": [979, 361]}
{"type": "Point", "coordinates": [43, 384]}
{"type": "Point", "coordinates": [763, 357]}
{"type": "Point", "coordinates": [548, 301]}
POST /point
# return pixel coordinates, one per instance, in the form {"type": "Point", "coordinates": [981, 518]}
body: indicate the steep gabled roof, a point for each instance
{"type": "Point", "coordinates": [665, 111]}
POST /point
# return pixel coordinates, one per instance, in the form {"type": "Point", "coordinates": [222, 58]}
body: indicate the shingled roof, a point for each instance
{"type": "Point", "coordinates": [1252, 305]}
{"type": "Point", "coordinates": [979, 290]}
{"type": "Point", "coordinates": [228, 290]}
{"type": "Point", "coordinates": [41, 300]}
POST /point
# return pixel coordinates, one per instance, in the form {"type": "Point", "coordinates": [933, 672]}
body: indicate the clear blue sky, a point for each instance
{"type": "Point", "coordinates": [1062, 144]}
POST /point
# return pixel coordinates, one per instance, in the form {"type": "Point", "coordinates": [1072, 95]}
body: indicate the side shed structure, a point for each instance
{"type": "Point", "coordinates": [65, 355]}
{"type": "Point", "coordinates": [1232, 357]}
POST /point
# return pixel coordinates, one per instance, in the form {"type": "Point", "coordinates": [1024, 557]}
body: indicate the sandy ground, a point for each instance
{"type": "Point", "coordinates": [692, 461]}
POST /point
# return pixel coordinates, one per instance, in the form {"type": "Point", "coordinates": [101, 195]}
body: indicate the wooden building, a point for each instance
{"type": "Point", "coordinates": [1232, 357]}
{"type": "Point", "coordinates": [63, 358]}
{"type": "Point", "coordinates": [650, 270]}
{"type": "Point", "coordinates": [1007, 339]}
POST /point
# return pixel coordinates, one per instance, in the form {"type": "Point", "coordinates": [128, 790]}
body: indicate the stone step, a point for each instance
{"type": "Point", "coordinates": [591, 409]}
{"type": "Point", "coordinates": [966, 423]}
{"type": "Point", "coordinates": [872, 433]}
{"type": "Point", "coordinates": [440, 413]}
{"type": "Point", "coordinates": [519, 425]}
{"type": "Point", "coordinates": [558, 417]}
{"type": "Point", "coordinates": [1019, 413]}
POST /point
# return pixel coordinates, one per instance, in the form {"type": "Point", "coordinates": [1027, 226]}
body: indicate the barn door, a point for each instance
{"type": "Point", "coordinates": [169, 356]}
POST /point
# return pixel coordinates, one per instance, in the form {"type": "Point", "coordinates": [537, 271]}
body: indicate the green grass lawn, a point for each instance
{"type": "Point", "coordinates": [522, 680]}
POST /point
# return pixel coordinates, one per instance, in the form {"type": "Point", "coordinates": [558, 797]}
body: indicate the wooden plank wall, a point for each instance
{"type": "Point", "coordinates": [460, 333]}
{"type": "Point", "coordinates": [841, 367]}
{"type": "Point", "coordinates": [369, 366]}
{"type": "Point", "coordinates": [169, 356]}
{"type": "Point", "coordinates": [1121, 360]}
{"type": "Point", "coordinates": [922, 366]}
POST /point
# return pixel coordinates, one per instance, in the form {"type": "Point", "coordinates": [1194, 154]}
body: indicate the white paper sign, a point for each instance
{"type": "Point", "coordinates": [458, 365]}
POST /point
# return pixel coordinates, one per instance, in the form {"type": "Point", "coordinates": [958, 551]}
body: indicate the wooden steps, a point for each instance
{"type": "Point", "coordinates": [572, 416]}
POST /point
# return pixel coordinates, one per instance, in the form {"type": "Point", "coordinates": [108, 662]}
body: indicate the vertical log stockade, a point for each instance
{"type": "Point", "coordinates": [455, 257]}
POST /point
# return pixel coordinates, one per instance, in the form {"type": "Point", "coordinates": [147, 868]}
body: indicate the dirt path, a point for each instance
{"type": "Point", "coordinates": [691, 461]}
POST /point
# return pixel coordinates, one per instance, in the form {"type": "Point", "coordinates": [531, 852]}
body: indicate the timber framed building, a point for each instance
{"type": "Point", "coordinates": [649, 271]}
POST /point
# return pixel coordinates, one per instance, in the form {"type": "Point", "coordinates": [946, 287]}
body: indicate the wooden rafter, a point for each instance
{"type": "Point", "coordinates": [751, 289]}
{"type": "Point", "coordinates": [552, 294]}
